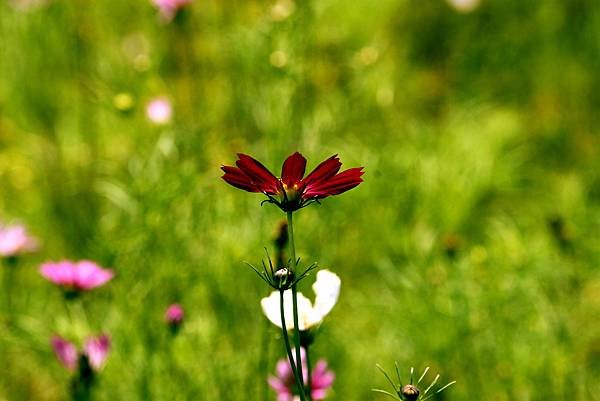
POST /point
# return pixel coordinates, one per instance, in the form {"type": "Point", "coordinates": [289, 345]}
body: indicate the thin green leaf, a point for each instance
{"type": "Point", "coordinates": [423, 375]}
{"type": "Point", "coordinates": [385, 392]}
{"type": "Point", "coordinates": [445, 387]}
{"type": "Point", "coordinates": [398, 373]}
{"type": "Point", "coordinates": [386, 376]}
{"type": "Point", "coordinates": [432, 384]}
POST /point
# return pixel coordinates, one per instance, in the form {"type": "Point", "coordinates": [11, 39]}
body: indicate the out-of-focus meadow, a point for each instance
{"type": "Point", "coordinates": [472, 246]}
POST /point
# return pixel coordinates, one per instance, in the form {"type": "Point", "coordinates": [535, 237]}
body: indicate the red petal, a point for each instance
{"type": "Point", "coordinates": [323, 171]}
{"type": "Point", "coordinates": [293, 169]}
{"type": "Point", "coordinates": [342, 182]}
{"type": "Point", "coordinates": [236, 177]}
{"type": "Point", "coordinates": [261, 177]}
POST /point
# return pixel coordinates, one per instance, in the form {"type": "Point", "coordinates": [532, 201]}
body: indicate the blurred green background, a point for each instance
{"type": "Point", "coordinates": [472, 246]}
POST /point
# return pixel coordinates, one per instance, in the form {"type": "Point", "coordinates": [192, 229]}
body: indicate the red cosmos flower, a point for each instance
{"type": "Point", "coordinates": [292, 191]}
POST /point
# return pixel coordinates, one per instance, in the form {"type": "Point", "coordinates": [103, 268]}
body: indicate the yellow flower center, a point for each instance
{"type": "Point", "coordinates": [291, 193]}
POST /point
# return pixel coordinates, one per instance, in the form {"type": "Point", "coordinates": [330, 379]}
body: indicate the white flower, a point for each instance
{"type": "Point", "coordinates": [327, 290]}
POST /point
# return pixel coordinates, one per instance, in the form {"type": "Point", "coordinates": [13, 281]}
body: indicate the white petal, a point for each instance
{"type": "Point", "coordinates": [270, 307]}
{"type": "Point", "coordinates": [327, 290]}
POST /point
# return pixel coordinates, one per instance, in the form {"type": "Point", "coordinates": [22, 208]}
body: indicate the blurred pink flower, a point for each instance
{"type": "Point", "coordinates": [95, 349]}
{"type": "Point", "coordinates": [322, 379]}
{"type": "Point", "coordinates": [28, 5]}
{"type": "Point", "coordinates": [174, 314]}
{"type": "Point", "coordinates": [79, 276]}
{"type": "Point", "coordinates": [159, 110]}
{"type": "Point", "coordinates": [284, 383]}
{"type": "Point", "coordinates": [168, 8]}
{"type": "Point", "coordinates": [66, 352]}
{"type": "Point", "coordinates": [14, 240]}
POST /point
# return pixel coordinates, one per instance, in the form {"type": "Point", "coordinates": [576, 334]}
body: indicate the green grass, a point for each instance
{"type": "Point", "coordinates": [475, 130]}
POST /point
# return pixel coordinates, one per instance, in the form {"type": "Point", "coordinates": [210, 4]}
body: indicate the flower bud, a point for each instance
{"type": "Point", "coordinates": [283, 276]}
{"type": "Point", "coordinates": [174, 317]}
{"type": "Point", "coordinates": [410, 392]}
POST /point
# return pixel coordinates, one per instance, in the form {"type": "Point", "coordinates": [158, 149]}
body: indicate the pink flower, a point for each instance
{"type": "Point", "coordinates": [168, 8]}
{"type": "Point", "coordinates": [79, 276]}
{"type": "Point", "coordinates": [159, 110]}
{"type": "Point", "coordinates": [284, 383]}
{"type": "Point", "coordinates": [66, 352]}
{"type": "Point", "coordinates": [322, 379]}
{"type": "Point", "coordinates": [95, 350]}
{"type": "Point", "coordinates": [14, 240]}
{"type": "Point", "coordinates": [174, 314]}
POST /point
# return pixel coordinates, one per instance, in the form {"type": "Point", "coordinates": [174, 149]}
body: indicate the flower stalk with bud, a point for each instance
{"type": "Point", "coordinates": [291, 192]}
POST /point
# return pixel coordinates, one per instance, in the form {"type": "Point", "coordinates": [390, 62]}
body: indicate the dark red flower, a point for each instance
{"type": "Point", "coordinates": [292, 191]}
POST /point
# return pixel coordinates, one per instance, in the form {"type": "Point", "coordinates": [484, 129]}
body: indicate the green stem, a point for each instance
{"type": "Point", "coordinates": [308, 373]}
{"type": "Point", "coordinates": [297, 332]}
{"type": "Point", "coordinates": [288, 348]}
{"type": "Point", "coordinates": [295, 302]}
{"type": "Point", "coordinates": [81, 389]}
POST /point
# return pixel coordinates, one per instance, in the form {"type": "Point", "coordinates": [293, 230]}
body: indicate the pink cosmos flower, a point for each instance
{"type": "Point", "coordinates": [159, 110]}
{"type": "Point", "coordinates": [168, 8]}
{"type": "Point", "coordinates": [284, 383]}
{"type": "Point", "coordinates": [95, 350]}
{"type": "Point", "coordinates": [78, 276]}
{"type": "Point", "coordinates": [174, 314]}
{"type": "Point", "coordinates": [66, 352]}
{"type": "Point", "coordinates": [14, 240]}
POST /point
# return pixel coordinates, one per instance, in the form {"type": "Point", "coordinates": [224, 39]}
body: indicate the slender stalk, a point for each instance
{"type": "Point", "coordinates": [308, 373]}
{"type": "Point", "coordinates": [294, 266]}
{"type": "Point", "coordinates": [80, 392]}
{"type": "Point", "coordinates": [288, 348]}
{"type": "Point", "coordinates": [297, 332]}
